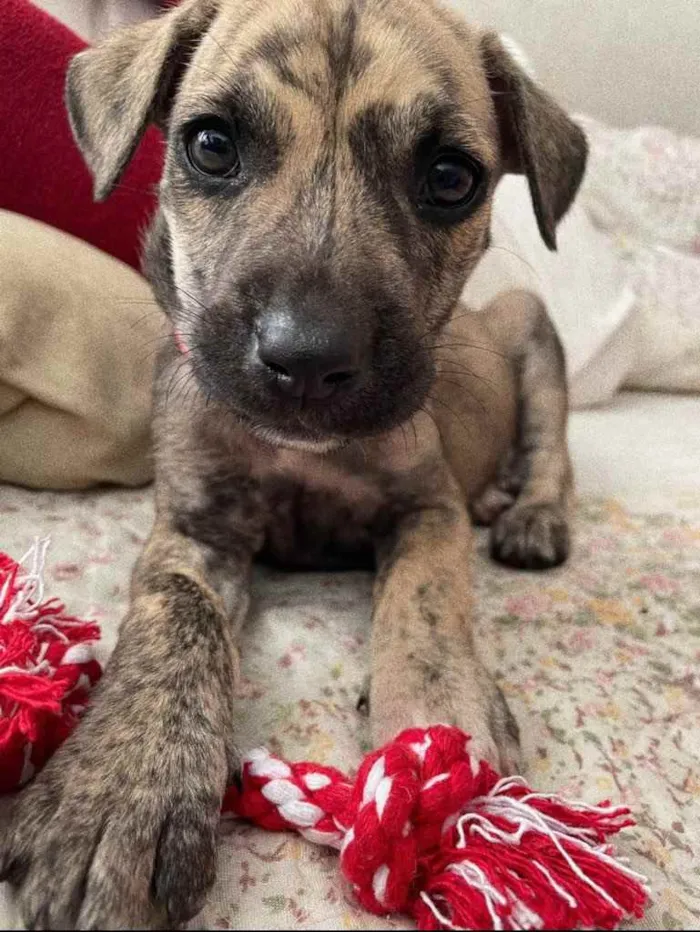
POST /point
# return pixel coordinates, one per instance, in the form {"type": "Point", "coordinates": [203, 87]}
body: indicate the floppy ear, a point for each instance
{"type": "Point", "coordinates": [537, 138]}
{"type": "Point", "coordinates": [113, 91]}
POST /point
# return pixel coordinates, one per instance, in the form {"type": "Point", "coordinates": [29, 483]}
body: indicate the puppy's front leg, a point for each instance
{"type": "Point", "coordinates": [118, 831]}
{"type": "Point", "coordinates": [424, 667]}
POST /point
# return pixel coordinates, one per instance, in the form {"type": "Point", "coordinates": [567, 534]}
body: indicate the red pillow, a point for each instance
{"type": "Point", "coordinates": [42, 174]}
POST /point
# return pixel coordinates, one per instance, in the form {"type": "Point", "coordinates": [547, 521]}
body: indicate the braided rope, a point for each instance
{"type": "Point", "coordinates": [426, 830]}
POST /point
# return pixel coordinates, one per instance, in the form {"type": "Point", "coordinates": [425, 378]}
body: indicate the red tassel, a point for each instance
{"type": "Point", "coordinates": [46, 669]}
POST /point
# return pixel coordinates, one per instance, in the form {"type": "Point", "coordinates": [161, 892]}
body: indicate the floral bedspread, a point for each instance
{"type": "Point", "coordinates": [600, 661]}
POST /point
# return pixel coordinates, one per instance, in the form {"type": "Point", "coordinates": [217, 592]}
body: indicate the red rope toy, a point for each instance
{"type": "Point", "coordinates": [47, 668]}
{"type": "Point", "coordinates": [424, 829]}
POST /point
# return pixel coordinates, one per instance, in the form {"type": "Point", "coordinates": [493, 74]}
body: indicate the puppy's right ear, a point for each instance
{"type": "Point", "coordinates": [113, 91]}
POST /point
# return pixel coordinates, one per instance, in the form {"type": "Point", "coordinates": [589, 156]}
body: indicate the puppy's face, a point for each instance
{"type": "Point", "coordinates": [326, 192]}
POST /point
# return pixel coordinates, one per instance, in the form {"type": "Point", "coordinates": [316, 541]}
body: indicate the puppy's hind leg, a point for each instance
{"type": "Point", "coordinates": [528, 505]}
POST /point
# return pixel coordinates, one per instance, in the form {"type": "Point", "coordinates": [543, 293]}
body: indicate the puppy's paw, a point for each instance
{"type": "Point", "coordinates": [492, 502]}
{"type": "Point", "coordinates": [505, 732]}
{"type": "Point", "coordinates": [113, 858]}
{"type": "Point", "coordinates": [114, 834]}
{"type": "Point", "coordinates": [466, 697]}
{"type": "Point", "coordinates": [531, 537]}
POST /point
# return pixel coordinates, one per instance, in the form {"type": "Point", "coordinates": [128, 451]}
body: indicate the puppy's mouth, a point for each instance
{"type": "Point", "coordinates": [310, 444]}
{"type": "Point", "coordinates": [290, 434]}
{"type": "Point", "coordinates": [297, 437]}
{"type": "Point", "coordinates": [315, 425]}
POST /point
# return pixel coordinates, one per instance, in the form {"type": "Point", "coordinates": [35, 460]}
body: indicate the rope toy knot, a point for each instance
{"type": "Point", "coordinates": [427, 830]}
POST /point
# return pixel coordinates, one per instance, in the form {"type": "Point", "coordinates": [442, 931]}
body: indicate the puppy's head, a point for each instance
{"type": "Point", "coordinates": [327, 190]}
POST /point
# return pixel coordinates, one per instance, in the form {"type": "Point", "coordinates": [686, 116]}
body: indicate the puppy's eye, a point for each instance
{"type": "Point", "coordinates": [212, 151]}
{"type": "Point", "coordinates": [451, 182]}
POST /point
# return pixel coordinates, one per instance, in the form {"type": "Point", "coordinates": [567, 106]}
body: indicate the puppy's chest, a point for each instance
{"type": "Point", "coordinates": [323, 518]}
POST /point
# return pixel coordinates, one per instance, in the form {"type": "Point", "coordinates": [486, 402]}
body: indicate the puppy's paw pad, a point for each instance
{"type": "Point", "coordinates": [531, 537]}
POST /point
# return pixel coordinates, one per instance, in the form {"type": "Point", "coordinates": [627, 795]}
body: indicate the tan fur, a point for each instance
{"type": "Point", "coordinates": [473, 417]}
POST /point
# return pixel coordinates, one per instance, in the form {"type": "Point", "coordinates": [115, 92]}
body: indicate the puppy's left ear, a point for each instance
{"type": "Point", "coordinates": [113, 91]}
{"type": "Point", "coordinates": [537, 137]}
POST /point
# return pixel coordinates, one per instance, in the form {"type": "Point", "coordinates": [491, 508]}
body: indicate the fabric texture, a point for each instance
{"type": "Point", "coordinates": [598, 659]}
{"type": "Point", "coordinates": [78, 334]}
{"type": "Point", "coordinates": [643, 190]}
{"type": "Point", "coordinates": [43, 174]}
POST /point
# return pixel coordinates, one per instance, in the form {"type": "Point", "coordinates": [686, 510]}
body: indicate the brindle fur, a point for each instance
{"type": "Point", "coordinates": [459, 410]}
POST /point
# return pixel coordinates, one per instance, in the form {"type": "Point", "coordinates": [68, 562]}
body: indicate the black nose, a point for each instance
{"type": "Point", "coordinates": [310, 361]}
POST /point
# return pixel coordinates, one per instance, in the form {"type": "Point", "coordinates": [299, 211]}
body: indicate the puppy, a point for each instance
{"type": "Point", "coordinates": [325, 400]}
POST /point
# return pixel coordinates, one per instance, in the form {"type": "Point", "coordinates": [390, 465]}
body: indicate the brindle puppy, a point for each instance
{"type": "Point", "coordinates": [327, 191]}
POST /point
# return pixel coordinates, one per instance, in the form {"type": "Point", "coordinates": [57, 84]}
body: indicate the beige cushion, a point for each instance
{"type": "Point", "coordinates": [78, 334]}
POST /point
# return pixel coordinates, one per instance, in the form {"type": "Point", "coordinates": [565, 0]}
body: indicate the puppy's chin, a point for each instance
{"type": "Point", "coordinates": [278, 438]}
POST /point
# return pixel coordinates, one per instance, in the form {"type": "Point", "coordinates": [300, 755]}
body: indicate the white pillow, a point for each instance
{"type": "Point", "coordinates": [643, 188]}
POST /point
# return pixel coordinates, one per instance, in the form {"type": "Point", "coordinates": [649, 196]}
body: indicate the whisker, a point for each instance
{"type": "Point", "coordinates": [138, 302]}
{"type": "Point", "coordinates": [464, 371]}
{"type": "Point", "coordinates": [468, 313]}
{"type": "Point", "coordinates": [173, 284]}
{"type": "Point", "coordinates": [462, 345]}
{"type": "Point", "coordinates": [357, 442]}
{"type": "Point", "coordinates": [152, 303]}
{"type": "Point", "coordinates": [220, 83]}
{"type": "Point", "coordinates": [519, 257]}
{"type": "Point", "coordinates": [223, 48]}
{"type": "Point", "coordinates": [415, 431]}
{"type": "Point", "coordinates": [153, 350]}
{"type": "Point", "coordinates": [139, 321]}
{"type": "Point", "coordinates": [454, 415]}
{"type": "Point", "coordinates": [459, 369]}
{"type": "Point", "coordinates": [470, 395]}
{"type": "Point", "coordinates": [133, 189]}
{"type": "Point", "coordinates": [432, 418]}
{"type": "Point", "coordinates": [179, 370]}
